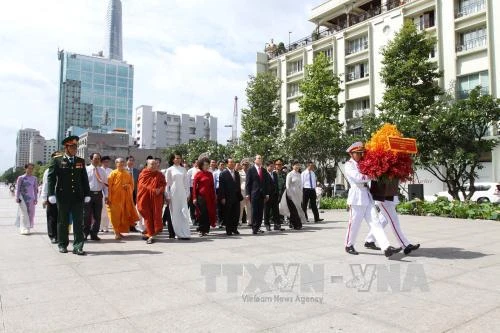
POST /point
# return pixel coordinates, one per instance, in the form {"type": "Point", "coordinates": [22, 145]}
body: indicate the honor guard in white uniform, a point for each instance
{"type": "Point", "coordinates": [388, 215]}
{"type": "Point", "coordinates": [361, 205]}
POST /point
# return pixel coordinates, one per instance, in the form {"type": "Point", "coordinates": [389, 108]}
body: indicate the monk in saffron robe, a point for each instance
{"type": "Point", "coordinates": [121, 207]}
{"type": "Point", "coordinates": [150, 197]}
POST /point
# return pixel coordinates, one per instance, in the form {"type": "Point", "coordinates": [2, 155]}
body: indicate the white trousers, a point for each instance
{"type": "Point", "coordinates": [388, 215]}
{"type": "Point", "coordinates": [369, 213]}
{"type": "Point", "coordinates": [24, 217]}
{"type": "Point", "coordinates": [245, 204]}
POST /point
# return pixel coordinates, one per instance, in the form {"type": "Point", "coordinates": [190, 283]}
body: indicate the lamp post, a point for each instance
{"type": "Point", "coordinates": [289, 33]}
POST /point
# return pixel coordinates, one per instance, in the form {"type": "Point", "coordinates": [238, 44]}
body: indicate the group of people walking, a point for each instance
{"type": "Point", "coordinates": [230, 192]}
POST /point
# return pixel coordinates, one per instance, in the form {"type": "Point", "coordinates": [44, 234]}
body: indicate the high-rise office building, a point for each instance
{"type": "Point", "coordinates": [23, 145]}
{"type": "Point", "coordinates": [36, 152]}
{"type": "Point", "coordinates": [113, 42]}
{"type": "Point", "coordinates": [95, 93]}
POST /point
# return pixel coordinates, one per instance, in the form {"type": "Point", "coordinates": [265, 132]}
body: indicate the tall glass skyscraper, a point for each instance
{"type": "Point", "coordinates": [94, 93]}
{"type": "Point", "coordinates": [113, 41]}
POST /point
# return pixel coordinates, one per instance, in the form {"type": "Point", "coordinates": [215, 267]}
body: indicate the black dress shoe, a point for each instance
{"type": "Point", "coordinates": [229, 233]}
{"type": "Point", "coordinates": [268, 227]}
{"type": "Point", "coordinates": [391, 250]}
{"type": "Point", "coordinates": [410, 248]}
{"type": "Point", "coordinates": [372, 246]}
{"type": "Point", "coordinates": [79, 252]}
{"type": "Point", "coordinates": [53, 241]}
{"type": "Point", "coordinates": [63, 250]}
{"type": "Point", "coordinates": [95, 238]}
{"type": "Point", "coordinates": [318, 220]}
{"type": "Point", "coordinates": [351, 250]}
{"type": "Point", "coordinates": [236, 232]}
{"type": "Point", "coordinates": [279, 229]}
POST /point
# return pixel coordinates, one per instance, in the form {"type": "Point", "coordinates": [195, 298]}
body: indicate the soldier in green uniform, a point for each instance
{"type": "Point", "coordinates": [69, 188]}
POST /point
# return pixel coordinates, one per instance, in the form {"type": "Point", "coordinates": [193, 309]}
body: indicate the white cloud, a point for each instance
{"type": "Point", "coordinates": [190, 56]}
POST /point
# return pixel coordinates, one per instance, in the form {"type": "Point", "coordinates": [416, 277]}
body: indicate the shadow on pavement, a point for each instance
{"type": "Point", "coordinates": [447, 253]}
{"type": "Point", "coordinates": [121, 253]}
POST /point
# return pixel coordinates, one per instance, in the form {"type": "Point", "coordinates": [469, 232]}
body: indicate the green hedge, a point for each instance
{"type": "Point", "coordinates": [441, 207]}
{"type": "Point", "coordinates": [333, 203]}
{"type": "Point", "coordinates": [456, 209]}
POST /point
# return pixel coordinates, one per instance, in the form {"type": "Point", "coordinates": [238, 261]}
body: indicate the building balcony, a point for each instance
{"type": "Point", "coordinates": [471, 8]}
{"type": "Point", "coordinates": [354, 50]}
{"type": "Point", "coordinates": [472, 44]}
{"type": "Point", "coordinates": [355, 76]}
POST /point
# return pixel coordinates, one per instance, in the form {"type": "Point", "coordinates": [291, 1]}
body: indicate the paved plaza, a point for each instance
{"type": "Point", "coordinates": [294, 281]}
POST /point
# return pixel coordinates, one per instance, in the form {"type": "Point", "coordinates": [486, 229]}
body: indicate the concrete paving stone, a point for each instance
{"type": "Point", "coordinates": [123, 280]}
{"type": "Point", "coordinates": [46, 291]}
{"type": "Point", "coordinates": [57, 315]}
{"type": "Point", "coordinates": [337, 321]}
{"type": "Point", "coordinates": [114, 326]}
{"type": "Point", "coordinates": [16, 275]}
{"type": "Point", "coordinates": [485, 322]}
{"type": "Point", "coordinates": [207, 317]}
{"type": "Point", "coordinates": [152, 298]}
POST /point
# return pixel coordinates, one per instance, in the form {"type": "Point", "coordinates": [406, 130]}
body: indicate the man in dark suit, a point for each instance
{"type": "Point", "coordinates": [69, 188]}
{"type": "Point", "coordinates": [271, 207]}
{"type": "Point", "coordinates": [230, 197]}
{"type": "Point", "coordinates": [256, 189]}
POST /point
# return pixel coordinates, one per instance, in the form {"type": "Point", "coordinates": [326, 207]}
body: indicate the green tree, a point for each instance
{"type": "Point", "coordinates": [261, 121]}
{"type": "Point", "coordinates": [319, 134]}
{"type": "Point", "coordinates": [411, 81]}
{"type": "Point", "coordinates": [458, 139]}
{"type": "Point", "coordinates": [451, 135]}
{"type": "Point", "coordinates": [10, 175]}
{"type": "Point", "coordinates": [194, 148]}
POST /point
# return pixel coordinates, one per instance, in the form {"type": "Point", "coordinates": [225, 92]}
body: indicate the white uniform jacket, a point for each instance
{"type": "Point", "coordinates": [359, 194]}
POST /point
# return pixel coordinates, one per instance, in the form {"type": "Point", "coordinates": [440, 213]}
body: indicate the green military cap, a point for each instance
{"type": "Point", "coordinates": [70, 140]}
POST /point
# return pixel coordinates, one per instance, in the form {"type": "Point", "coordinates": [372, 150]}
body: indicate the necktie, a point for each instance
{"type": "Point", "coordinates": [71, 160]}
{"type": "Point", "coordinates": [310, 179]}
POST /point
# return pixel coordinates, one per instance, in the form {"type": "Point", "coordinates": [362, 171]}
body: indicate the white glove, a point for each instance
{"type": "Point", "coordinates": [52, 199]}
{"type": "Point", "coordinates": [86, 199]}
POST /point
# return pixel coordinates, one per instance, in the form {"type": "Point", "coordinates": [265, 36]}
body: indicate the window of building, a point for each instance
{"type": "Point", "coordinates": [468, 82]}
{"type": "Point", "coordinates": [291, 120]}
{"type": "Point", "coordinates": [424, 21]}
{"type": "Point", "coordinates": [110, 69]}
{"type": "Point", "coordinates": [293, 89]}
{"type": "Point", "coordinates": [357, 71]}
{"type": "Point", "coordinates": [110, 90]}
{"type": "Point", "coordinates": [357, 45]}
{"type": "Point", "coordinates": [123, 71]}
{"type": "Point", "coordinates": [467, 7]}
{"type": "Point", "coordinates": [357, 108]}
{"type": "Point", "coordinates": [472, 39]}
{"type": "Point", "coordinates": [295, 66]}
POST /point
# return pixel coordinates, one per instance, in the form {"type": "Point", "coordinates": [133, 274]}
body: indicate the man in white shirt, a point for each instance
{"type": "Point", "coordinates": [309, 191]}
{"type": "Point", "coordinates": [92, 212]}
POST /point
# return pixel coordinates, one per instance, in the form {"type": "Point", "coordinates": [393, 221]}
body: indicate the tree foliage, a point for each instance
{"type": "Point", "coordinates": [261, 121]}
{"type": "Point", "coordinates": [319, 134]}
{"type": "Point", "coordinates": [451, 134]}
{"type": "Point", "coordinates": [10, 175]}
{"type": "Point", "coordinates": [410, 79]}
{"type": "Point", "coordinates": [458, 139]}
{"type": "Point", "coordinates": [194, 148]}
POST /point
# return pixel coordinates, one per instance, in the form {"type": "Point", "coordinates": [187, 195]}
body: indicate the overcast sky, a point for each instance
{"type": "Point", "coordinates": [190, 56]}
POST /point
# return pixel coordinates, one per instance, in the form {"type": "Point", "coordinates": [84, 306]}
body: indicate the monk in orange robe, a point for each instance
{"type": "Point", "coordinates": [150, 198]}
{"type": "Point", "coordinates": [121, 208]}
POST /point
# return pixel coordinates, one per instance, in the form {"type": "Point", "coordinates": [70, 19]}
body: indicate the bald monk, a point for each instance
{"type": "Point", "coordinates": [150, 189]}
{"type": "Point", "coordinates": [121, 207]}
